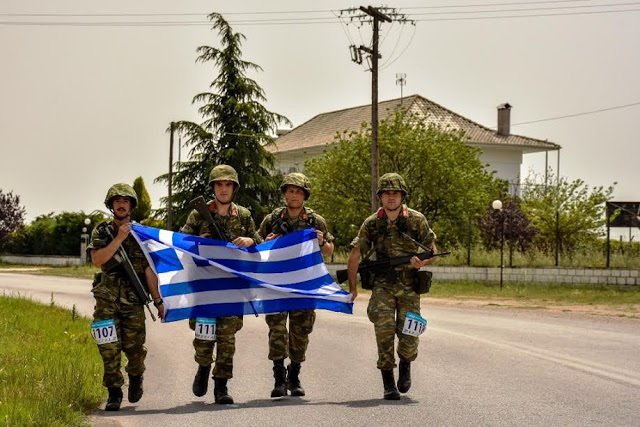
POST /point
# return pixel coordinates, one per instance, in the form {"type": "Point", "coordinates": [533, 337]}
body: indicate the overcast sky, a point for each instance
{"type": "Point", "coordinates": [83, 107]}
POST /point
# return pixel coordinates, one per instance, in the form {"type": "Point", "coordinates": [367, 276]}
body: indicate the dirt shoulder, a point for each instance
{"type": "Point", "coordinates": [619, 310]}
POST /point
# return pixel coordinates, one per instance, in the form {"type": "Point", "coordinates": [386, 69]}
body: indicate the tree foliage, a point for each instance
{"type": "Point", "coordinates": [143, 209]}
{"type": "Point", "coordinates": [52, 234]}
{"type": "Point", "coordinates": [11, 215]}
{"type": "Point", "coordinates": [512, 221]}
{"type": "Point", "coordinates": [580, 211]}
{"type": "Point", "coordinates": [445, 179]}
{"type": "Point", "coordinates": [235, 130]}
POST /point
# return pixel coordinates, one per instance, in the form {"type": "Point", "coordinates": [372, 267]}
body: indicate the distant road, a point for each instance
{"type": "Point", "coordinates": [489, 366]}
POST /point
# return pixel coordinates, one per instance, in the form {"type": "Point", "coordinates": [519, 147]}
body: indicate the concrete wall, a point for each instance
{"type": "Point", "coordinates": [42, 260]}
{"type": "Point", "coordinates": [623, 278]}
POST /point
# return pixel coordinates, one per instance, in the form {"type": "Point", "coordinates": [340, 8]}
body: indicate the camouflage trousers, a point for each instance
{"type": "Point", "coordinates": [130, 327]}
{"type": "Point", "coordinates": [226, 329]}
{"type": "Point", "coordinates": [292, 343]}
{"type": "Point", "coordinates": [388, 307]}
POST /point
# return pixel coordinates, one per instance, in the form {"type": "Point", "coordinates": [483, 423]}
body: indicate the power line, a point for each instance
{"type": "Point", "coordinates": [528, 16]}
{"type": "Point", "coordinates": [292, 21]}
{"type": "Point", "coordinates": [526, 9]}
{"type": "Point", "coordinates": [578, 114]}
{"type": "Point", "coordinates": [124, 14]}
{"type": "Point", "coordinates": [280, 12]}
{"type": "Point", "coordinates": [495, 4]}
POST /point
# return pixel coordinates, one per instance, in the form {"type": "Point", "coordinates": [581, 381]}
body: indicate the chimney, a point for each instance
{"type": "Point", "coordinates": [504, 119]}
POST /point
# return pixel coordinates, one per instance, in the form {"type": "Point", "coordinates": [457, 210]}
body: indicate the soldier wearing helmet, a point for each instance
{"type": "Point", "coordinates": [235, 221]}
{"type": "Point", "coordinates": [116, 300]}
{"type": "Point", "coordinates": [394, 230]}
{"type": "Point", "coordinates": [292, 343]}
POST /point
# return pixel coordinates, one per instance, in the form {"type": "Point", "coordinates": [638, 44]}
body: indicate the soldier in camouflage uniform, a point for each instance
{"type": "Point", "coordinates": [394, 230]}
{"type": "Point", "coordinates": [236, 222]}
{"type": "Point", "coordinates": [293, 343]}
{"type": "Point", "coordinates": [116, 299]}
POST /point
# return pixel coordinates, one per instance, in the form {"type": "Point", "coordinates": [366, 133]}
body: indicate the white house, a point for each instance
{"type": "Point", "coordinates": [501, 150]}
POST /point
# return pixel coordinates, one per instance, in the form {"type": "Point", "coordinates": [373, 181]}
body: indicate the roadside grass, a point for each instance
{"type": "Point", "coordinates": [481, 257]}
{"type": "Point", "coordinates": [543, 294]}
{"type": "Point", "coordinates": [80, 272]}
{"type": "Point", "coordinates": [50, 371]}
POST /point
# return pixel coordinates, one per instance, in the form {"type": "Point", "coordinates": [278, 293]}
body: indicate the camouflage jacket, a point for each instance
{"type": "Point", "coordinates": [385, 236]}
{"type": "Point", "coordinates": [113, 283]}
{"type": "Point", "coordinates": [237, 223]}
{"type": "Point", "coordinates": [307, 219]}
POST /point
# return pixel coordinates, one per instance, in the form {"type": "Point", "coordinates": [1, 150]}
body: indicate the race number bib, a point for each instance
{"type": "Point", "coordinates": [205, 328]}
{"type": "Point", "coordinates": [104, 331]}
{"type": "Point", "coordinates": [414, 324]}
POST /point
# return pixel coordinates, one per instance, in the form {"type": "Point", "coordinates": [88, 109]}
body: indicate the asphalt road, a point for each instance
{"type": "Point", "coordinates": [477, 366]}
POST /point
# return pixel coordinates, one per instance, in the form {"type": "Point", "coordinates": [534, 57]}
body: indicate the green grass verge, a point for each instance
{"type": "Point", "coordinates": [549, 294]}
{"type": "Point", "coordinates": [50, 370]}
{"type": "Point", "coordinates": [83, 272]}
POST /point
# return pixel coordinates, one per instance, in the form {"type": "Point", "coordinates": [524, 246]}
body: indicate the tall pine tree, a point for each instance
{"type": "Point", "coordinates": [235, 130]}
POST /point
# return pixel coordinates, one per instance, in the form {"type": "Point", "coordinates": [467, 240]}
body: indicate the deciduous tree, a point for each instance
{"type": "Point", "coordinates": [11, 215]}
{"type": "Point", "coordinates": [580, 211]}
{"type": "Point", "coordinates": [446, 180]}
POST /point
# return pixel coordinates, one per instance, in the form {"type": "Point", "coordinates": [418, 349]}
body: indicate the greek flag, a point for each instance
{"type": "Point", "coordinates": [200, 277]}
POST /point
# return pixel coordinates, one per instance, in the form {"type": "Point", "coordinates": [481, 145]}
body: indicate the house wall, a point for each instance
{"type": "Point", "coordinates": [506, 162]}
{"type": "Point", "coordinates": [293, 161]}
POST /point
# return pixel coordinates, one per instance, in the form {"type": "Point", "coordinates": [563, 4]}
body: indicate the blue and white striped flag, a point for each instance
{"type": "Point", "coordinates": [200, 277]}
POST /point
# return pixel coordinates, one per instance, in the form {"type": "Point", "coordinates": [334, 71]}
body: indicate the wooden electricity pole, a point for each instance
{"type": "Point", "coordinates": [375, 152]}
{"type": "Point", "coordinates": [169, 224]}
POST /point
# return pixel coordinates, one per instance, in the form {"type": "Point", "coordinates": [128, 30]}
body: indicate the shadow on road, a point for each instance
{"type": "Point", "coordinates": [194, 407]}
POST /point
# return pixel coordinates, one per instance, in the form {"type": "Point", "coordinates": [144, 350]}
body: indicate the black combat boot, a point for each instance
{"type": "Point", "coordinates": [404, 377]}
{"type": "Point", "coordinates": [135, 388]}
{"type": "Point", "coordinates": [201, 381]}
{"type": "Point", "coordinates": [280, 375]}
{"type": "Point", "coordinates": [390, 390]}
{"type": "Point", "coordinates": [114, 400]}
{"type": "Point", "coordinates": [293, 381]}
{"type": "Point", "coordinates": [220, 393]}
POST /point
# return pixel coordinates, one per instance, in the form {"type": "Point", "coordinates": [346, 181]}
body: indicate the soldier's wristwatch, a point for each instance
{"type": "Point", "coordinates": [324, 241]}
{"type": "Point", "coordinates": [158, 303]}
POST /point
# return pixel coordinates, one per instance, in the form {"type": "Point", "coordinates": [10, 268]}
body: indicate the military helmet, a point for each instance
{"type": "Point", "coordinates": [224, 173]}
{"type": "Point", "coordinates": [124, 190]}
{"type": "Point", "coordinates": [391, 182]}
{"type": "Point", "coordinates": [299, 180]}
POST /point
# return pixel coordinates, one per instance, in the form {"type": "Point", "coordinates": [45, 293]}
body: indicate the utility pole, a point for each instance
{"type": "Point", "coordinates": [375, 152]}
{"type": "Point", "coordinates": [375, 15]}
{"type": "Point", "coordinates": [172, 128]}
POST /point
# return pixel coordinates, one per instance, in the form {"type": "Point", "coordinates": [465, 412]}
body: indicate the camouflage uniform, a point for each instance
{"type": "Point", "coordinates": [116, 299]}
{"type": "Point", "coordinates": [238, 223]}
{"type": "Point", "coordinates": [394, 293]}
{"type": "Point", "coordinates": [293, 344]}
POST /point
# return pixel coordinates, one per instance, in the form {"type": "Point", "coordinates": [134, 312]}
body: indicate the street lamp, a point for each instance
{"type": "Point", "coordinates": [84, 241]}
{"type": "Point", "coordinates": [497, 205]}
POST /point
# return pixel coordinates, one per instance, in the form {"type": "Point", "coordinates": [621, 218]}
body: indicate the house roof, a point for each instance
{"type": "Point", "coordinates": [321, 129]}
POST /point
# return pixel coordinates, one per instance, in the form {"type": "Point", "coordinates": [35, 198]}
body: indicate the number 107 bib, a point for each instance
{"type": "Point", "coordinates": [104, 331]}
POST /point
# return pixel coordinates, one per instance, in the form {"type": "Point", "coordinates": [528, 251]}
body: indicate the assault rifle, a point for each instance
{"type": "Point", "coordinates": [385, 264]}
{"type": "Point", "coordinates": [122, 259]}
{"type": "Point", "coordinates": [201, 206]}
